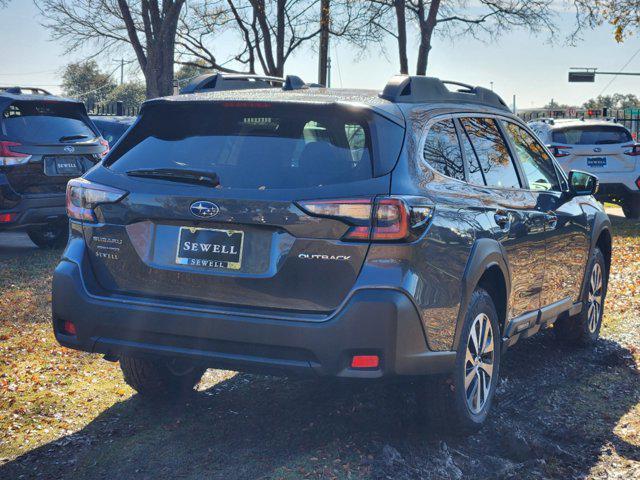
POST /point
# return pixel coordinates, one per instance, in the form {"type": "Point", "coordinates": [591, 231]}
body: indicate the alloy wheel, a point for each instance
{"type": "Point", "coordinates": [595, 298]}
{"type": "Point", "coordinates": [478, 365]}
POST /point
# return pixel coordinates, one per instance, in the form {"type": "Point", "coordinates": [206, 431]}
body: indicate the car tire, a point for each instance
{"type": "Point", "coordinates": [583, 329]}
{"type": "Point", "coordinates": [53, 235]}
{"type": "Point", "coordinates": [158, 378]}
{"type": "Point", "coordinates": [631, 207]}
{"type": "Point", "coordinates": [456, 402]}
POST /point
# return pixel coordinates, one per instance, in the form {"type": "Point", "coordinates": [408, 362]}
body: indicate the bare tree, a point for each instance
{"type": "Point", "coordinates": [454, 17]}
{"type": "Point", "coordinates": [147, 26]}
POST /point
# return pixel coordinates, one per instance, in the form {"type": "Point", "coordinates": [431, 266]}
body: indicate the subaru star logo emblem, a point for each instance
{"type": "Point", "coordinates": [597, 149]}
{"type": "Point", "coordinates": [204, 209]}
{"type": "Point", "coordinates": [69, 149]}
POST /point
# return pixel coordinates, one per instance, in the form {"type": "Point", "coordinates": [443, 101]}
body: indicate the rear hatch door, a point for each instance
{"type": "Point", "coordinates": [46, 144]}
{"type": "Point", "coordinates": [596, 148]}
{"type": "Point", "coordinates": [245, 243]}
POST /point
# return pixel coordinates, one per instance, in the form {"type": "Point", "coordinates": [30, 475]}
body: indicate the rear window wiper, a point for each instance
{"type": "Point", "coordinates": [178, 175]}
{"type": "Point", "coordinates": [72, 137]}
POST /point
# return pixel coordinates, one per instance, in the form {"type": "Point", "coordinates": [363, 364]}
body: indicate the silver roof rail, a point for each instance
{"type": "Point", "coordinates": [419, 89]}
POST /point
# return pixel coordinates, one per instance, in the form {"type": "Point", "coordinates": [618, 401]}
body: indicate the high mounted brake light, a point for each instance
{"type": "Point", "coordinates": [83, 196]}
{"type": "Point", "coordinates": [10, 157]}
{"type": "Point", "coordinates": [384, 219]}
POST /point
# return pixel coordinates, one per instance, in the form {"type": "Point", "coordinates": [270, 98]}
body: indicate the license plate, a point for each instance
{"type": "Point", "coordinates": [210, 248]}
{"type": "Point", "coordinates": [597, 161]}
{"type": "Point", "coordinates": [63, 166]}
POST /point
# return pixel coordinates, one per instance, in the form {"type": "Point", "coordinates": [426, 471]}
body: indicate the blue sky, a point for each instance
{"type": "Point", "coordinates": [517, 63]}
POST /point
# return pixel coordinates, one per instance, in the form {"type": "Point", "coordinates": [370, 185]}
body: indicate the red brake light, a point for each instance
{"type": "Point", "coordinates": [560, 151]}
{"type": "Point", "coordinates": [382, 219]}
{"type": "Point", "coordinates": [365, 361]}
{"type": "Point", "coordinates": [83, 196]}
{"type": "Point", "coordinates": [105, 144]}
{"type": "Point", "coordinates": [635, 150]}
{"type": "Point", "coordinates": [69, 328]}
{"type": "Point", "coordinates": [8, 217]}
{"type": "Point", "coordinates": [9, 157]}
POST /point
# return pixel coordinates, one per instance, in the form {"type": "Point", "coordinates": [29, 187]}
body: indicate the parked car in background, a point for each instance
{"type": "Point", "coordinates": [342, 233]}
{"type": "Point", "coordinates": [601, 147]}
{"type": "Point", "coordinates": [112, 127]}
{"type": "Point", "coordinates": [44, 142]}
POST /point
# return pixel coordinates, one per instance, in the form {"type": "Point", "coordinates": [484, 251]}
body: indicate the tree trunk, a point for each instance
{"type": "Point", "coordinates": [323, 54]}
{"type": "Point", "coordinates": [426, 33]}
{"type": "Point", "coordinates": [401, 20]}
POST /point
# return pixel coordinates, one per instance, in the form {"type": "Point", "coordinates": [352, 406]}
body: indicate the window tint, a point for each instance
{"type": "Point", "coordinates": [253, 146]}
{"type": "Point", "coordinates": [592, 135]}
{"type": "Point", "coordinates": [44, 122]}
{"type": "Point", "coordinates": [496, 163]}
{"type": "Point", "coordinates": [537, 165]}
{"type": "Point", "coordinates": [442, 150]}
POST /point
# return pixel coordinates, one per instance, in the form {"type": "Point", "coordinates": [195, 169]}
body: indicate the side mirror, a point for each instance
{"type": "Point", "coordinates": [583, 183]}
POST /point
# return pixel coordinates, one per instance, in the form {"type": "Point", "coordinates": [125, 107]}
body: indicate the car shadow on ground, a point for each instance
{"type": "Point", "coordinates": [557, 411]}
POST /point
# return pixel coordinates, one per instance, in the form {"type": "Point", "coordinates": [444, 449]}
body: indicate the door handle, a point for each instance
{"type": "Point", "coordinates": [503, 219]}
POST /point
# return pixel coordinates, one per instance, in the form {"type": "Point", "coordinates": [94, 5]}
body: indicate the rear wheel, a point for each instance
{"type": "Point", "coordinates": [462, 401]}
{"type": "Point", "coordinates": [631, 207]}
{"type": "Point", "coordinates": [584, 328]}
{"type": "Point", "coordinates": [160, 378]}
{"type": "Point", "coordinates": [54, 235]}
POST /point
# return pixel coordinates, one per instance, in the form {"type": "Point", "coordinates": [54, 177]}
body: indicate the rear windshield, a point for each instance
{"type": "Point", "coordinates": [111, 131]}
{"type": "Point", "coordinates": [591, 135]}
{"type": "Point", "coordinates": [44, 123]}
{"type": "Point", "coordinates": [253, 145]}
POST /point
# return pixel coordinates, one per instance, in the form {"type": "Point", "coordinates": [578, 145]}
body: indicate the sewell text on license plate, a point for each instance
{"type": "Point", "coordinates": [597, 161]}
{"type": "Point", "coordinates": [210, 248]}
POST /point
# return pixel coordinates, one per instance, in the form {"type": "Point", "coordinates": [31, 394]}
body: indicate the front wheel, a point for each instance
{"type": "Point", "coordinates": [54, 235]}
{"type": "Point", "coordinates": [463, 400]}
{"type": "Point", "coordinates": [584, 328]}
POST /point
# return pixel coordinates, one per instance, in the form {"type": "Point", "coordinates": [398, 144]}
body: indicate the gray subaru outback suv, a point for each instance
{"type": "Point", "coordinates": [417, 232]}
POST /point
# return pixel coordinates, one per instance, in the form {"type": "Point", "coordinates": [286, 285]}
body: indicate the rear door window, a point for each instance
{"type": "Point", "coordinates": [536, 163]}
{"type": "Point", "coordinates": [252, 146]}
{"type": "Point", "coordinates": [442, 150]}
{"type": "Point", "coordinates": [45, 123]}
{"type": "Point", "coordinates": [592, 135]}
{"type": "Point", "coordinates": [492, 152]}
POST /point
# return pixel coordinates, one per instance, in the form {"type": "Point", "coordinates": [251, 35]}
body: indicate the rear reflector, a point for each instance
{"type": "Point", "coordinates": [68, 328]}
{"type": "Point", "coordinates": [8, 217]}
{"type": "Point", "coordinates": [365, 361]}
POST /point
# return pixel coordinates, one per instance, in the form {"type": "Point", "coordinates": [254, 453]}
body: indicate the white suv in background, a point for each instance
{"type": "Point", "coordinates": [603, 148]}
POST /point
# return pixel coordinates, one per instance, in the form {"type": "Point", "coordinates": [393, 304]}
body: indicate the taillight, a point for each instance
{"type": "Point", "coordinates": [634, 150]}
{"type": "Point", "coordinates": [9, 157]}
{"type": "Point", "coordinates": [105, 144]}
{"type": "Point", "coordinates": [8, 217]}
{"type": "Point", "coordinates": [379, 220]}
{"type": "Point", "coordinates": [560, 151]}
{"type": "Point", "coordinates": [84, 196]}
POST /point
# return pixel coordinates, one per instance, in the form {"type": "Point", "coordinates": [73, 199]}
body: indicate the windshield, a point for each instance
{"type": "Point", "coordinates": [257, 145]}
{"type": "Point", "coordinates": [592, 135]}
{"type": "Point", "coordinates": [45, 123]}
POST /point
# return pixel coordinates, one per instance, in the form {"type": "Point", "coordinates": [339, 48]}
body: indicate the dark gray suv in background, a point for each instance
{"type": "Point", "coordinates": [343, 233]}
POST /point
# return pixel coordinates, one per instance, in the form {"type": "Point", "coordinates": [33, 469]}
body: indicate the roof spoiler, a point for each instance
{"type": "Point", "coordinates": [21, 90]}
{"type": "Point", "coordinates": [419, 89]}
{"type": "Point", "coordinates": [217, 82]}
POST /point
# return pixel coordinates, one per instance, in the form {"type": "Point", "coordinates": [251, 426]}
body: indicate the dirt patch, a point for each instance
{"type": "Point", "coordinates": [559, 412]}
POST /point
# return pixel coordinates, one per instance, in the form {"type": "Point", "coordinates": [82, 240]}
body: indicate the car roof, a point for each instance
{"type": "Point", "coordinates": [8, 96]}
{"type": "Point", "coordinates": [112, 119]}
{"type": "Point", "coordinates": [562, 123]}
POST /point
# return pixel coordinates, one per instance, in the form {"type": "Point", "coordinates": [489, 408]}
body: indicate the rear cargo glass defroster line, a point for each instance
{"type": "Point", "coordinates": [253, 146]}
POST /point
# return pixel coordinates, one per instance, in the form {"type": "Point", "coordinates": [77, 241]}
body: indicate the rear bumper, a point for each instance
{"type": "Point", "coordinates": [380, 322]}
{"type": "Point", "coordinates": [30, 210]}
